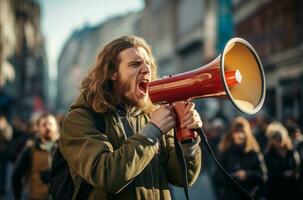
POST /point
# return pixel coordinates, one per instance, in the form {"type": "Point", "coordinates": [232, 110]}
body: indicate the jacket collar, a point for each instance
{"type": "Point", "coordinates": [123, 110]}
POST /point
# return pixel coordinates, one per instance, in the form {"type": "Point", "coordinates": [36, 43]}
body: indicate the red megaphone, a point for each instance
{"type": "Point", "coordinates": [236, 74]}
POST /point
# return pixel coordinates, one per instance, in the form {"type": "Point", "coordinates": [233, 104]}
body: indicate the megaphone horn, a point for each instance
{"type": "Point", "coordinates": [236, 74]}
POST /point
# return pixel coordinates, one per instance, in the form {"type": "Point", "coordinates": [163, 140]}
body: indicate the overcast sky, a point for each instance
{"type": "Point", "coordinates": [61, 17]}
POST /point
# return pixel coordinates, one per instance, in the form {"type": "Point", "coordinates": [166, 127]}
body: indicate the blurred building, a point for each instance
{"type": "Point", "coordinates": [23, 66]}
{"type": "Point", "coordinates": [275, 28]}
{"type": "Point", "coordinates": [184, 36]}
{"type": "Point", "coordinates": [177, 30]}
{"type": "Point", "coordinates": [80, 51]}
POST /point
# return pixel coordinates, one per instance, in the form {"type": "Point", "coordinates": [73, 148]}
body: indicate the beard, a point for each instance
{"type": "Point", "coordinates": [122, 99]}
{"type": "Point", "coordinates": [48, 136]}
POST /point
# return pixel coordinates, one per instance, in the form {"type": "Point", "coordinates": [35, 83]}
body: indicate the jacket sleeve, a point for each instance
{"type": "Point", "coordinates": [172, 164]}
{"type": "Point", "coordinates": [90, 154]}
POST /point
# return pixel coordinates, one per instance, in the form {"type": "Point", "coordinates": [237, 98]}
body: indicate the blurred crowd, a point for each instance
{"type": "Point", "coordinates": [26, 152]}
{"type": "Point", "coordinates": [263, 155]}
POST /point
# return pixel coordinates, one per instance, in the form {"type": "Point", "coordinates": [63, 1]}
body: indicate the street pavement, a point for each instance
{"type": "Point", "coordinates": [202, 189]}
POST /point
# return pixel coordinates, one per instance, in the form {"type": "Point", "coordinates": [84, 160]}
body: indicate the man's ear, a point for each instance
{"type": "Point", "coordinates": [114, 76]}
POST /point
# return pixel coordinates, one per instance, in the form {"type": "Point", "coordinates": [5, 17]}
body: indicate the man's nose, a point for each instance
{"type": "Point", "coordinates": [145, 68]}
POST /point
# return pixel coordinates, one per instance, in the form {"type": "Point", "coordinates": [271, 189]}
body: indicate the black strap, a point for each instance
{"type": "Point", "coordinates": [122, 113]}
{"type": "Point", "coordinates": [128, 130]}
{"type": "Point", "coordinates": [99, 121]}
{"type": "Point", "coordinates": [229, 177]}
{"type": "Point", "coordinates": [183, 166]}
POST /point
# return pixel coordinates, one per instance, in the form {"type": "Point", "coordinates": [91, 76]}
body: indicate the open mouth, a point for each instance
{"type": "Point", "coordinates": [142, 86]}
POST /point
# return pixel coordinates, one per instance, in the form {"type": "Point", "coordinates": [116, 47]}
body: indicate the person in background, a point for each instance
{"type": "Point", "coordinates": [216, 131]}
{"type": "Point", "coordinates": [6, 134]}
{"type": "Point", "coordinates": [283, 164]}
{"type": "Point", "coordinates": [23, 131]}
{"type": "Point", "coordinates": [241, 157]}
{"type": "Point", "coordinates": [32, 169]}
{"type": "Point", "coordinates": [126, 163]}
{"type": "Point", "coordinates": [296, 136]}
{"type": "Point", "coordinates": [260, 124]}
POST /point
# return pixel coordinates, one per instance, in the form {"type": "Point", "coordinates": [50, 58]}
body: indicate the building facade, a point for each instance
{"type": "Point", "coordinates": [182, 34]}
{"type": "Point", "coordinates": [24, 70]}
{"type": "Point", "coordinates": [275, 28]}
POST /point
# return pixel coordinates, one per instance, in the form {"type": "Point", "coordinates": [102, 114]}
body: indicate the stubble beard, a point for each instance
{"type": "Point", "coordinates": [120, 96]}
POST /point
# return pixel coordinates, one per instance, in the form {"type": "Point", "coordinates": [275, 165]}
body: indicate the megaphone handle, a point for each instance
{"type": "Point", "coordinates": [183, 135]}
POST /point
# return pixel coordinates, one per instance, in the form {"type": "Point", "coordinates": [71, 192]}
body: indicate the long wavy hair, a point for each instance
{"type": "Point", "coordinates": [97, 87]}
{"type": "Point", "coordinates": [250, 144]}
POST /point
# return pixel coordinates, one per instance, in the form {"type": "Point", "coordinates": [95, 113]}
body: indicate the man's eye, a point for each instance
{"type": "Point", "coordinates": [136, 64]}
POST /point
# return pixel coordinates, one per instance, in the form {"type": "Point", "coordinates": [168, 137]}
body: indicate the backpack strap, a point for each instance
{"type": "Point", "coordinates": [99, 122]}
{"type": "Point", "coordinates": [128, 130]}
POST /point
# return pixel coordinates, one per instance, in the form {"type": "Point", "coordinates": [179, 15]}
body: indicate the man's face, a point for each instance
{"type": "Point", "coordinates": [133, 75]}
{"type": "Point", "coordinates": [48, 128]}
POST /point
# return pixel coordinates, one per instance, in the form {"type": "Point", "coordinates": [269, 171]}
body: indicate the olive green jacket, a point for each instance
{"type": "Point", "coordinates": [120, 168]}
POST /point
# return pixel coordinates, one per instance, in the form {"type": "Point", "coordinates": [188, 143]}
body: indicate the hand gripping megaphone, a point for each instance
{"type": "Point", "coordinates": [236, 74]}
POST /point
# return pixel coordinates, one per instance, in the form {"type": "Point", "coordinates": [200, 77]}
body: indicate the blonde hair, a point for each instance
{"type": "Point", "coordinates": [250, 144]}
{"type": "Point", "coordinates": [276, 128]}
{"type": "Point", "coordinates": [97, 86]}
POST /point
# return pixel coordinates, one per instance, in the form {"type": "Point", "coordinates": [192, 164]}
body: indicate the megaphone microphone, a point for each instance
{"type": "Point", "coordinates": [237, 74]}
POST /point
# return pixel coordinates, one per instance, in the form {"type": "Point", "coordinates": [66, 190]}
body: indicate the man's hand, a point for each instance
{"type": "Point", "coordinates": [164, 118]}
{"type": "Point", "coordinates": [191, 119]}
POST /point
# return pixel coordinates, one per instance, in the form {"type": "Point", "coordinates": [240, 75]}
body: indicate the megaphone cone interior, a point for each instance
{"type": "Point", "coordinates": [249, 95]}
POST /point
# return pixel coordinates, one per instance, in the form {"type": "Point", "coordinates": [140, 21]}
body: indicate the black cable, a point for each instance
{"type": "Point", "coordinates": [205, 141]}
{"type": "Point", "coordinates": [183, 166]}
